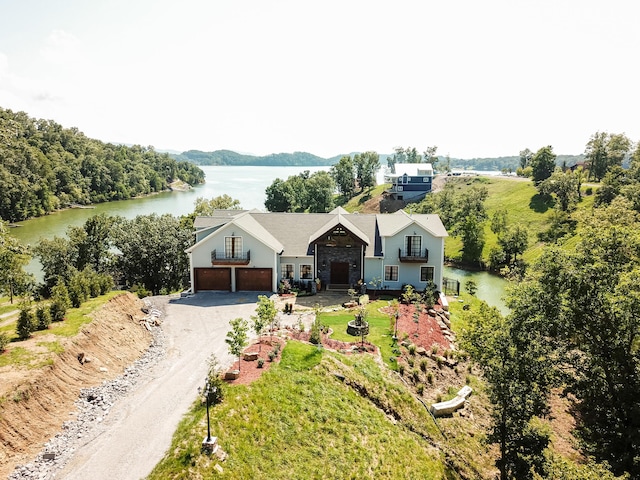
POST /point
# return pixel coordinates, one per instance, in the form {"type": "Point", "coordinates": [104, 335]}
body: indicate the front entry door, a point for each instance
{"type": "Point", "coordinates": [340, 273]}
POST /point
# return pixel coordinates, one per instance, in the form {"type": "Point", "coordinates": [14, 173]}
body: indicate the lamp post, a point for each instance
{"type": "Point", "coordinates": [395, 331]}
{"type": "Point", "coordinates": [209, 443]}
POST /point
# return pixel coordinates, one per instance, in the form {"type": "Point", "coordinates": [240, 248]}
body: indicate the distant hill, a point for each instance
{"type": "Point", "coordinates": [500, 163]}
{"type": "Point", "coordinates": [305, 159]}
{"type": "Point", "coordinates": [228, 157]}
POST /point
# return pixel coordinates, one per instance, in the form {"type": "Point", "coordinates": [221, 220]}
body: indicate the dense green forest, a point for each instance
{"type": "Point", "coordinates": [44, 167]}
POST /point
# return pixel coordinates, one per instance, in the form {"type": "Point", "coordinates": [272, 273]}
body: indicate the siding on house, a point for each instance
{"type": "Point", "coordinates": [338, 247]}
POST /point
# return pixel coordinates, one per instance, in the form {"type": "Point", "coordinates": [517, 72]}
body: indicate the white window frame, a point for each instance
{"type": "Point", "coordinates": [433, 273]}
{"type": "Point", "coordinates": [390, 272]}
{"type": "Point", "coordinates": [301, 275]}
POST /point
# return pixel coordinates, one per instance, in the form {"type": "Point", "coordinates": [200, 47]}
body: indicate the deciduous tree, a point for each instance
{"type": "Point", "coordinates": [543, 163]}
{"type": "Point", "coordinates": [604, 151]}
{"type": "Point", "coordinates": [237, 338]}
{"type": "Point", "coordinates": [344, 175]}
{"type": "Point", "coordinates": [152, 252]}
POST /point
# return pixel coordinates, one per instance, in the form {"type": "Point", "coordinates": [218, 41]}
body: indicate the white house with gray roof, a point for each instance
{"type": "Point", "coordinates": [238, 250]}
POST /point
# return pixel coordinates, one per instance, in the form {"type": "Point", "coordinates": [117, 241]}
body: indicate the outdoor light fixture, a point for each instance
{"type": "Point", "coordinates": [209, 443]}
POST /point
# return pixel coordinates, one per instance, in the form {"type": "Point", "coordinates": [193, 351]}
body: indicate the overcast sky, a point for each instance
{"type": "Point", "coordinates": [476, 78]}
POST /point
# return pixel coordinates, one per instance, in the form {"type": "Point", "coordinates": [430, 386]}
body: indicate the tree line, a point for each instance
{"type": "Point", "coordinates": [228, 157]}
{"type": "Point", "coordinates": [316, 193]}
{"type": "Point", "coordinates": [45, 167]}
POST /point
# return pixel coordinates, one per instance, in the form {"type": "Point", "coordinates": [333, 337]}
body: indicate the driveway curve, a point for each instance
{"type": "Point", "coordinates": [134, 437]}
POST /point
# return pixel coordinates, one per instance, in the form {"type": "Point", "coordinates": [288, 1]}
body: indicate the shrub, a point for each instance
{"type": "Point", "coordinates": [272, 355]}
{"type": "Point", "coordinates": [79, 289]}
{"type": "Point", "coordinates": [430, 377]}
{"type": "Point", "coordinates": [401, 368]}
{"type": "Point", "coordinates": [106, 283]}
{"type": "Point", "coordinates": [415, 374]}
{"type": "Point", "coordinates": [26, 323]}
{"type": "Point", "coordinates": [412, 349]}
{"type": "Point", "coordinates": [43, 318]}
{"type": "Point", "coordinates": [420, 389]}
{"type": "Point", "coordinates": [423, 364]}
{"type": "Point", "coordinates": [140, 290]}
{"type": "Point", "coordinates": [410, 361]}
{"type": "Point", "coordinates": [216, 393]}
{"type": "Point", "coordinates": [434, 348]}
{"type": "Point", "coordinates": [4, 341]}
{"type": "Point", "coordinates": [588, 191]}
{"type": "Point", "coordinates": [59, 302]}
{"type": "Point", "coordinates": [260, 362]}
{"type": "Point", "coordinates": [314, 337]}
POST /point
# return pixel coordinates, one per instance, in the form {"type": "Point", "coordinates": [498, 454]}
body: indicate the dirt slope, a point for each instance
{"type": "Point", "coordinates": [34, 403]}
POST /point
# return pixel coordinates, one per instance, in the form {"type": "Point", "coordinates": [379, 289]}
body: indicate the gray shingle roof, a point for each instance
{"type": "Point", "coordinates": [293, 231]}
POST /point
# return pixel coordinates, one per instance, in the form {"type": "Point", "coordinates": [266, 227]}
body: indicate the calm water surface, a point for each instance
{"type": "Point", "coordinates": [247, 184]}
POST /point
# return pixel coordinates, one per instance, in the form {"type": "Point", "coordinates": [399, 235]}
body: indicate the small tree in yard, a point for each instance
{"type": "Point", "coordinates": [215, 382]}
{"type": "Point", "coordinates": [60, 302]}
{"type": "Point", "coordinates": [43, 318]}
{"type": "Point", "coordinates": [265, 314]}
{"type": "Point", "coordinates": [237, 338]}
{"type": "Point", "coordinates": [4, 341]}
{"type": "Point", "coordinates": [26, 323]}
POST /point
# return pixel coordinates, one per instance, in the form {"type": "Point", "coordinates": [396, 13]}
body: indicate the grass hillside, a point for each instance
{"type": "Point", "coordinates": [524, 207]}
{"type": "Point", "coordinates": [321, 414]}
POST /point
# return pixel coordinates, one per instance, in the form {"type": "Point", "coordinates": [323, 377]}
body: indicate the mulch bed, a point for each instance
{"type": "Point", "coordinates": [249, 370]}
{"type": "Point", "coordinates": [424, 333]}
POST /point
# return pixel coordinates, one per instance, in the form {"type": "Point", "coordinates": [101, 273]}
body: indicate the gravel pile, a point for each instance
{"type": "Point", "coordinates": [93, 406]}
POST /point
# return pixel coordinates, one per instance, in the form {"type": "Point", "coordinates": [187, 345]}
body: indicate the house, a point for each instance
{"type": "Point", "coordinates": [238, 250]}
{"type": "Point", "coordinates": [410, 182]}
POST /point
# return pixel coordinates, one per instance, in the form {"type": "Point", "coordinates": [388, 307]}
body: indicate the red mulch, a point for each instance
{"type": "Point", "coordinates": [424, 334]}
{"type": "Point", "coordinates": [249, 371]}
{"type": "Point", "coordinates": [427, 329]}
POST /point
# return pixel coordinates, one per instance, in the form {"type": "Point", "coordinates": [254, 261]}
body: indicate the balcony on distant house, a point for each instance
{"type": "Point", "coordinates": [418, 256]}
{"type": "Point", "coordinates": [220, 258]}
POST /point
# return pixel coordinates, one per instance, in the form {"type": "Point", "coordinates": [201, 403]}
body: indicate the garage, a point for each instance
{"type": "Point", "coordinates": [213, 279]}
{"type": "Point", "coordinates": [254, 279]}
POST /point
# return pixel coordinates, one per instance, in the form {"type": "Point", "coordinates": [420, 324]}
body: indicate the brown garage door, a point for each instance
{"type": "Point", "coordinates": [213, 279]}
{"type": "Point", "coordinates": [254, 279]}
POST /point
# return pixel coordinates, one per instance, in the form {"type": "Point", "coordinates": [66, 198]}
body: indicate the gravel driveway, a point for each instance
{"type": "Point", "coordinates": [138, 430]}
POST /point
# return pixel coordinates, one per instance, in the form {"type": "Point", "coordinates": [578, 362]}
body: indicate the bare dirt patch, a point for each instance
{"type": "Point", "coordinates": [35, 402]}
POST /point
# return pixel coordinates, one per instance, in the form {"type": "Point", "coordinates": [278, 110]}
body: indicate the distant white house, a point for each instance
{"type": "Point", "coordinates": [239, 250]}
{"type": "Point", "coordinates": [410, 182]}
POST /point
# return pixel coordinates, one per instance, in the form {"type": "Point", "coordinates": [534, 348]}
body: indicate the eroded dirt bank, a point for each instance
{"type": "Point", "coordinates": [35, 403]}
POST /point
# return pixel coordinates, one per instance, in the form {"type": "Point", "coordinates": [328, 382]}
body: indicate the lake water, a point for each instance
{"type": "Point", "coordinates": [491, 288]}
{"type": "Point", "coordinates": [247, 184]}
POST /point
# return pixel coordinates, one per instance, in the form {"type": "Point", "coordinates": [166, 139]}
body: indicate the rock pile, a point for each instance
{"type": "Point", "coordinates": [93, 404]}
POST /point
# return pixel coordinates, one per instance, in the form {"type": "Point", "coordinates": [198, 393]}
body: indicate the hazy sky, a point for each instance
{"type": "Point", "coordinates": [476, 78]}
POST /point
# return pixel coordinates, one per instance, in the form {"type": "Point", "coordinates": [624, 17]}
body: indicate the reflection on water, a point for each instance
{"type": "Point", "coordinates": [491, 288]}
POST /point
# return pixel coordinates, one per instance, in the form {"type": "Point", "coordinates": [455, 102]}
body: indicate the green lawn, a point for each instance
{"type": "Point", "coordinates": [355, 204]}
{"type": "Point", "coordinates": [299, 421]}
{"type": "Point", "coordinates": [76, 318]}
{"type": "Point", "coordinates": [380, 333]}
{"type": "Point", "coordinates": [524, 207]}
